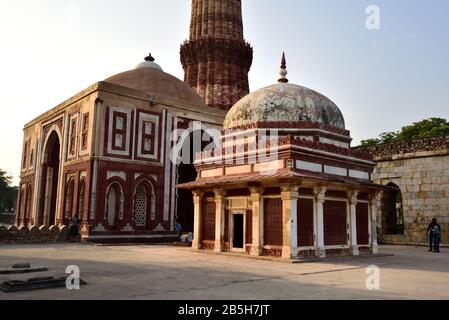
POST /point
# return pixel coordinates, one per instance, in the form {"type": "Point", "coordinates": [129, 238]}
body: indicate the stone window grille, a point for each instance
{"type": "Point", "coordinates": [25, 156]}
{"type": "Point", "coordinates": [85, 131]}
{"type": "Point", "coordinates": [119, 131]}
{"type": "Point", "coordinates": [148, 137]}
{"type": "Point", "coordinates": [140, 206]}
{"type": "Point", "coordinates": [73, 137]}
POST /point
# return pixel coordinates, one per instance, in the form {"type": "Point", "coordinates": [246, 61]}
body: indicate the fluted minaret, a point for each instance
{"type": "Point", "coordinates": [216, 59]}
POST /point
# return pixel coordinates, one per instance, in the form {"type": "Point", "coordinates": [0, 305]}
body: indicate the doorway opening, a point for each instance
{"type": "Point", "coordinates": [49, 183]}
{"type": "Point", "coordinates": [238, 234]}
{"type": "Point", "coordinates": [186, 172]}
{"type": "Point", "coordinates": [392, 211]}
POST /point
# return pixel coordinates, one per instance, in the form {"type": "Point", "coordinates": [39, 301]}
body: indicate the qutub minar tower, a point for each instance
{"type": "Point", "coordinates": [216, 59]}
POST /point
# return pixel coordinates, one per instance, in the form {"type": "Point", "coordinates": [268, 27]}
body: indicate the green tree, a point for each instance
{"type": "Point", "coordinates": [8, 193]}
{"type": "Point", "coordinates": [370, 142]}
{"type": "Point", "coordinates": [423, 129]}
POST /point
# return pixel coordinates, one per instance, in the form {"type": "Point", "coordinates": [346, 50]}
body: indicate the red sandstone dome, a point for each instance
{"type": "Point", "coordinates": [149, 77]}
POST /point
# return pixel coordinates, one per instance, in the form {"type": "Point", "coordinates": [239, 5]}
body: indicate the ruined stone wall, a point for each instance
{"type": "Point", "coordinates": [420, 168]}
{"type": "Point", "coordinates": [25, 235]}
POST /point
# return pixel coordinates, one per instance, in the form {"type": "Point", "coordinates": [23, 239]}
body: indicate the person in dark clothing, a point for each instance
{"type": "Point", "coordinates": [74, 228]}
{"type": "Point", "coordinates": [434, 234]}
{"type": "Point", "coordinates": [178, 228]}
{"type": "Point", "coordinates": [436, 238]}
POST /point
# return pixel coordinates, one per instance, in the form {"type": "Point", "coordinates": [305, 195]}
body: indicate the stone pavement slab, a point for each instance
{"type": "Point", "coordinates": [166, 272]}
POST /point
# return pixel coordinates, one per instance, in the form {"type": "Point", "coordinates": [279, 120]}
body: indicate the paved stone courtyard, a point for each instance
{"type": "Point", "coordinates": [166, 272]}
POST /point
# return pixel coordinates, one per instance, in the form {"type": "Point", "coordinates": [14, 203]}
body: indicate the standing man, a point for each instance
{"type": "Point", "coordinates": [74, 228]}
{"type": "Point", "coordinates": [436, 238]}
{"type": "Point", "coordinates": [432, 229]}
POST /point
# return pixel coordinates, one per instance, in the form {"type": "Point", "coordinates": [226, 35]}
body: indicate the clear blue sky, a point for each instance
{"type": "Point", "coordinates": [381, 79]}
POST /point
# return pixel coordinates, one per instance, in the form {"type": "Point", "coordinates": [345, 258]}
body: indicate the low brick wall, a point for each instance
{"type": "Point", "coordinates": [402, 240]}
{"type": "Point", "coordinates": [25, 235]}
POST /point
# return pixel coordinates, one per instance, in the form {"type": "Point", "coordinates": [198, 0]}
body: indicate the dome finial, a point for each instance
{"type": "Point", "coordinates": [149, 58]}
{"type": "Point", "coordinates": [283, 72]}
{"type": "Point", "coordinates": [148, 63]}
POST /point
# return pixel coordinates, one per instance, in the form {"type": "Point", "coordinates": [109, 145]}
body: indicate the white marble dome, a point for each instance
{"type": "Point", "coordinates": [284, 102]}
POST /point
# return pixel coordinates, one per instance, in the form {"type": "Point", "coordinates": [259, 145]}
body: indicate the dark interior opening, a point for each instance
{"type": "Point", "coordinates": [392, 211]}
{"type": "Point", "coordinates": [187, 173]}
{"type": "Point", "coordinates": [51, 163]}
{"type": "Point", "coordinates": [238, 231]}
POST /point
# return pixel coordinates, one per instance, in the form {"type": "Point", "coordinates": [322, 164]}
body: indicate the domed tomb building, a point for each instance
{"type": "Point", "coordinates": [284, 181]}
{"type": "Point", "coordinates": [105, 155]}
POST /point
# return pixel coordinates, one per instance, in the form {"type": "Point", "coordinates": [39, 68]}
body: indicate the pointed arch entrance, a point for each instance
{"type": "Point", "coordinates": [392, 211]}
{"type": "Point", "coordinates": [49, 181]}
{"type": "Point", "coordinates": [114, 205]}
{"type": "Point", "coordinates": [197, 140]}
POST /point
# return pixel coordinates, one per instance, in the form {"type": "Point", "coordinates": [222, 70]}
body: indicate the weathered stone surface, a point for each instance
{"type": "Point", "coordinates": [44, 230]}
{"type": "Point", "coordinates": [21, 266]}
{"type": "Point", "coordinates": [23, 230]}
{"type": "Point", "coordinates": [284, 102]}
{"type": "Point", "coordinates": [13, 230]}
{"type": "Point", "coordinates": [419, 169]}
{"type": "Point", "coordinates": [34, 231]}
{"type": "Point", "coordinates": [33, 234]}
{"type": "Point", "coordinates": [63, 233]}
{"type": "Point", "coordinates": [54, 231]}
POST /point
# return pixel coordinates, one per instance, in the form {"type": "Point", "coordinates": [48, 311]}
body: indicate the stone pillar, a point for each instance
{"type": "Point", "coordinates": [219, 219]}
{"type": "Point", "coordinates": [376, 200]}
{"type": "Point", "coordinates": [48, 191]}
{"type": "Point", "coordinates": [290, 218]}
{"type": "Point", "coordinates": [320, 193]}
{"type": "Point", "coordinates": [197, 198]}
{"type": "Point", "coordinates": [353, 230]}
{"type": "Point", "coordinates": [257, 206]}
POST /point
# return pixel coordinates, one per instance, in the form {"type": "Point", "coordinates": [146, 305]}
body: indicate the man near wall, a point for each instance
{"type": "Point", "coordinates": [434, 232]}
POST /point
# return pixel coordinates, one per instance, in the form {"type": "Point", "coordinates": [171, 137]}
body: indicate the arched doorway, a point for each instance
{"type": "Point", "coordinates": [392, 211]}
{"type": "Point", "coordinates": [49, 182]}
{"type": "Point", "coordinates": [144, 205]}
{"type": "Point", "coordinates": [113, 205]}
{"type": "Point", "coordinates": [197, 141]}
{"type": "Point", "coordinates": [70, 189]}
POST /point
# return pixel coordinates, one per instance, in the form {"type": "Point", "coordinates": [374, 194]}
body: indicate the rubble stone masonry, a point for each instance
{"type": "Point", "coordinates": [420, 168]}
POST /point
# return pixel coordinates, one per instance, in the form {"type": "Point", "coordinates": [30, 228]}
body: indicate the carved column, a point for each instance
{"type": "Point", "coordinates": [353, 230]}
{"type": "Point", "coordinates": [48, 194]}
{"type": "Point", "coordinates": [376, 201]}
{"type": "Point", "coordinates": [290, 218]}
{"type": "Point", "coordinates": [319, 200]}
{"type": "Point", "coordinates": [219, 219]}
{"type": "Point", "coordinates": [257, 206]}
{"type": "Point", "coordinates": [197, 198]}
